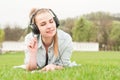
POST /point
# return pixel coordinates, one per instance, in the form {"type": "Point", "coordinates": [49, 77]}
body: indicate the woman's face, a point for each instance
{"type": "Point", "coordinates": [46, 24]}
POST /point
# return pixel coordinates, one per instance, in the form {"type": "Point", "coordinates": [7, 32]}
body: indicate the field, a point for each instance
{"type": "Point", "coordinates": [94, 66]}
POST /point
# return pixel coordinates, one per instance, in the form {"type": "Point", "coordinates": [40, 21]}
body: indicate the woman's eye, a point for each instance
{"type": "Point", "coordinates": [51, 21]}
{"type": "Point", "coordinates": [43, 24]}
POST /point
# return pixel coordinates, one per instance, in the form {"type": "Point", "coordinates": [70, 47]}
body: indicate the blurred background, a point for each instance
{"type": "Point", "coordinates": [93, 24]}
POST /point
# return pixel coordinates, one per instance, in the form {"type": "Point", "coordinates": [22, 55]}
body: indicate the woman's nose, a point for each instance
{"type": "Point", "coordinates": [49, 25]}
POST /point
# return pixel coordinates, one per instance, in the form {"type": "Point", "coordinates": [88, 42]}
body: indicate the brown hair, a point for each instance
{"type": "Point", "coordinates": [35, 12]}
{"type": "Point", "coordinates": [56, 45]}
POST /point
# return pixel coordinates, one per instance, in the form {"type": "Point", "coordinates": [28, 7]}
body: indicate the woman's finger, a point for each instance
{"type": "Point", "coordinates": [32, 43]}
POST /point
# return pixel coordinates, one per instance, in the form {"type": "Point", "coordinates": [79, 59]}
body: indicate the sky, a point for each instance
{"type": "Point", "coordinates": [17, 11]}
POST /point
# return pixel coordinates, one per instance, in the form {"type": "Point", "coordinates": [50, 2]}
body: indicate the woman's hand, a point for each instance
{"type": "Point", "coordinates": [51, 67]}
{"type": "Point", "coordinates": [33, 45]}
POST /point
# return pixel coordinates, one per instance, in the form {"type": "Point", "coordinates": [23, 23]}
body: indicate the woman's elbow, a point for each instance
{"type": "Point", "coordinates": [31, 67]}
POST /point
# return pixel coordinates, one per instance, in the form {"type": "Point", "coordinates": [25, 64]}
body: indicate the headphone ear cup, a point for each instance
{"type": "Point", "coordinates": [56, 21]}
{"type": "Point", "coordinates": [34, 29]}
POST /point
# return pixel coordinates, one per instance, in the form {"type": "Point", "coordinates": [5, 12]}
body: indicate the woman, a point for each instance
{"type": "Point", "coordinates": [52, 48]}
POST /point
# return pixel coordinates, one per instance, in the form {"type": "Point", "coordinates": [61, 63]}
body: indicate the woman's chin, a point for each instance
{"type": "Point", "coordinates": [50, 35]}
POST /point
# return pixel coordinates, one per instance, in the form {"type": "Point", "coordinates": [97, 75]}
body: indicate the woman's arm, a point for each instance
{"type": "Point", "coordinates": [32, 64]}
{"type": "Point", "coordinates": [31, 53]}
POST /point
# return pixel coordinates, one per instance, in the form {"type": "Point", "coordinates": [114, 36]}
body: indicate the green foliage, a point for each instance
{"type": "Point", "coordinates": [115, 31]}
{"type": "Point", "coordinates": [94, 66]}
{"type": "Point", "coordinates": [83, 30]}
{"type": "Point", "coordinates": [115, 35]}
{"type": "Point", "coordinates": [99, 17]}
{"type": "Point", "coordinates": [67, 25]}
{"type": "Point", "coordinates": [2, 35]}
{"type": "Point", "coordinates": [103, 22]}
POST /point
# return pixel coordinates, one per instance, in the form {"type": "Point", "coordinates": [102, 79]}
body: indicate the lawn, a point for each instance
{"type": "Point", "coordinates": [94, 66]}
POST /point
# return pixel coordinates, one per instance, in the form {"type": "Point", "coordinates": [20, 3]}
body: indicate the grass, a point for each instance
{"type": "Point", "coordinates": [94, 66]}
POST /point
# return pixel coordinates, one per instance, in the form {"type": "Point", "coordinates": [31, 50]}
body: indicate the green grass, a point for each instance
{"type": "Point", "coordinates": [94, 66]}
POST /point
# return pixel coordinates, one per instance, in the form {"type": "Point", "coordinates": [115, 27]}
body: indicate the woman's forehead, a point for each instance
{"type": "Point", "coordinates": [44, 16]}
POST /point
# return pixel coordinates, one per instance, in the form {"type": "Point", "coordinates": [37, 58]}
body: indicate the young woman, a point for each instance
{"type": "Point", "coordinates": [47, 47]}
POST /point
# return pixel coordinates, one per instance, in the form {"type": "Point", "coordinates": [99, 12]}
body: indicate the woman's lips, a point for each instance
{"type": "Point", "coordinates": [50, 31]}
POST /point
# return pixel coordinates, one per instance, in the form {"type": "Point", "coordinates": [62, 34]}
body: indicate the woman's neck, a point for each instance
{"type": "Point", "coordinates": [47, 41]}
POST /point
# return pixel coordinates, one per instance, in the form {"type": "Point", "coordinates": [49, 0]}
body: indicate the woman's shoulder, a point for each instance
{"type": "Point", "coordinates": [63, 35]}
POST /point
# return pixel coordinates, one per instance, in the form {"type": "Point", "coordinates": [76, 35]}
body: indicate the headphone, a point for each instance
{"type": "Point", "coordinates": [33, 25]}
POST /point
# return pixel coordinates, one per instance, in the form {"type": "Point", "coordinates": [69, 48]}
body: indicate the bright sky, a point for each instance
{"type": "Point", "coordinates": [17, 11]}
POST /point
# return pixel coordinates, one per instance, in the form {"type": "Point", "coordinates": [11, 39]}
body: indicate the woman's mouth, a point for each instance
{"type": "Point", "coordinates": [50, 31]}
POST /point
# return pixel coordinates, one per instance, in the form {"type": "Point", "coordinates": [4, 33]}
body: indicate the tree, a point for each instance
{"type": "Point", "coordinates": [13, 34]}
{"type": "Point", "coordinates": [2, 34]}
{"type": "Point", "coordinates": [67, 25]}
{"type": "Point", "coordinates": [103, 21]}
{"type": "Point", "coordinates": [115, 35]}
{"type": "Point", "coordinates": [83, 31]}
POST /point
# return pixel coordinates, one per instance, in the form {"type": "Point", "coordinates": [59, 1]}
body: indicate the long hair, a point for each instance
{"type": "Point", "coordinates": [56, 45]}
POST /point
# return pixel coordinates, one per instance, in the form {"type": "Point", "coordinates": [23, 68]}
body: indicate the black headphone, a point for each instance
{"type": "Point", "coordinates": [33, 25]}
